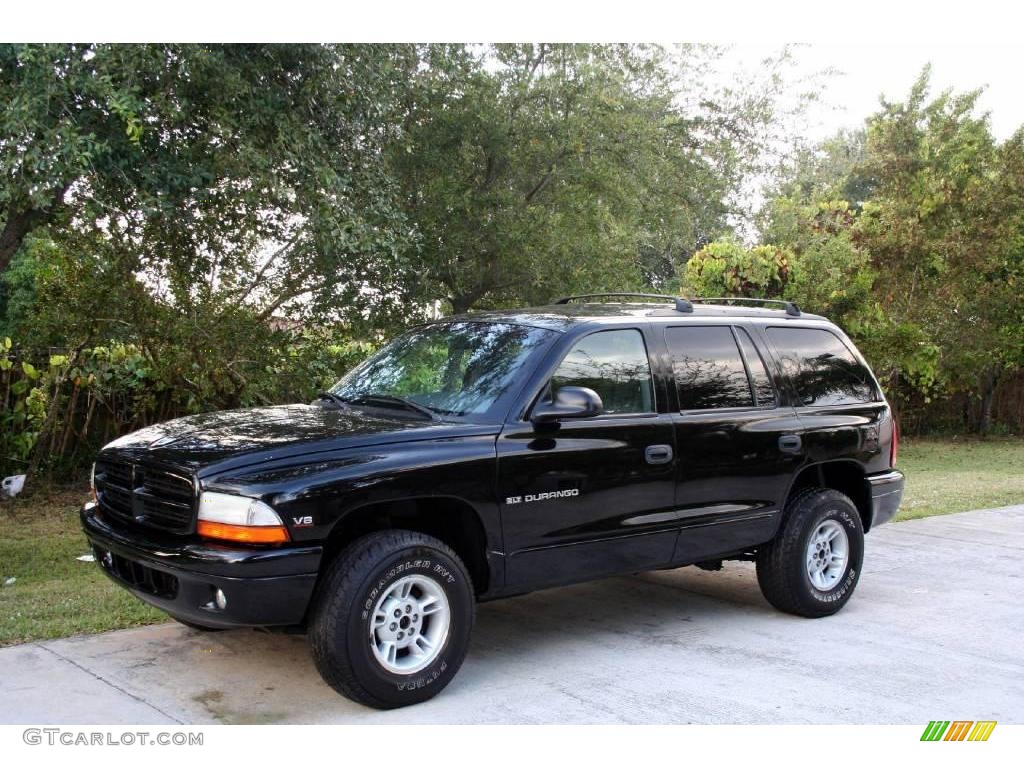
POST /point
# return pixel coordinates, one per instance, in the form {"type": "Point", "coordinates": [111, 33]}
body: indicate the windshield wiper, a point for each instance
{"type": "Point", "coordinates": [403, 402]}
{"type": "Point", "coordinates": [335, 398]}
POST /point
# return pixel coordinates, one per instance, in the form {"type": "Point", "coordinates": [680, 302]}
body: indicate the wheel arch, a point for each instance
{"type": "Point", "coordinates": [844, 475]}
{"type": "Point", "coordinates": [451, 519]}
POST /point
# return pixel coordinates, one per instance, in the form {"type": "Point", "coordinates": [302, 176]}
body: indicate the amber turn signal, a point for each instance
{"type": "Point", "coordinates": [245, 534]}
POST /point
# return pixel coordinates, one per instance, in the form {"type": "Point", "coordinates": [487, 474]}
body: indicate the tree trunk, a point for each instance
{"type": "Point", "coordinates": [988, 391]}
{"type": "Point", "coordinates": [462, 304]}
{"type": "Point", "coordinates": [20, 222]}
{"type": "Point", "coordinates": [17, 226]}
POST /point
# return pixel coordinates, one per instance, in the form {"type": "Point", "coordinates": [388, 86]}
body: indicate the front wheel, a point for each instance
{"type": "Point", "coordinates": [812, 566]}
{"type": "Point", "coordinates": [392, 621]}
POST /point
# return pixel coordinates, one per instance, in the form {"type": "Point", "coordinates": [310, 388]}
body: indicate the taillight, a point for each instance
{"type": "Point", "coordinates": [894, 449]}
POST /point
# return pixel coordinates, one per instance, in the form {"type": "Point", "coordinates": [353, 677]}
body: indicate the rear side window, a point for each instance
{"type": "Point", "coordinates": [708, 368]}
{"type": "Point", "coordinates": [613, 364]}
{"type": "Point", "coordinates": [821, 367]}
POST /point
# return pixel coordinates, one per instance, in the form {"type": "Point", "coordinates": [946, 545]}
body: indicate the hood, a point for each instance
{"type": "Point", "coordinates": [260, 434]}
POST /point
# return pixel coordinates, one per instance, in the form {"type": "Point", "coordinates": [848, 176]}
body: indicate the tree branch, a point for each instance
{"type": "Point", "coordinates": [288, 295]}
{"type": "Point", "coordinates": [258, 278]}
{"type": "Point", "coordinates": [540, 184]}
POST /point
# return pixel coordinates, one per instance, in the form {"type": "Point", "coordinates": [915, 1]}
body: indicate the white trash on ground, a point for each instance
{"type": "Point", "coordinates": [11, 486]}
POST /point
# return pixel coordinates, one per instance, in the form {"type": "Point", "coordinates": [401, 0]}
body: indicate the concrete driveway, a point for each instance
{"type": "Point", "coordinates": [935, 631]}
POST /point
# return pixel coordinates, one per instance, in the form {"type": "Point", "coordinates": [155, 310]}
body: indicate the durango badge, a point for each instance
{"type": "Point", "coordinates": [542, 496]}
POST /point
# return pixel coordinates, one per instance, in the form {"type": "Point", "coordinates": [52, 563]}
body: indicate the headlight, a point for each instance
{"type": "Point", "coordinates": [238, 518]}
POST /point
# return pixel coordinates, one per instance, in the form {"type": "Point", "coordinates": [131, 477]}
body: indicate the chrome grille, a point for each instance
{"type": "Point", "coordinates": [147, 494]}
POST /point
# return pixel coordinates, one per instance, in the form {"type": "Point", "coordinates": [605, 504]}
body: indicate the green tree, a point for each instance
{"type": "Point", "coordinates": [170, 199]}
{"type": "Point", "coordinates": [193, 159]}
{"type": "Point", "coordinates": [937, 230]}
{"type": "Point", "coordinates": [910, 234]}
{"type": "Point", "coordinates": [532, 170]}
{"type": "Point", "coordinates": [823, 172]}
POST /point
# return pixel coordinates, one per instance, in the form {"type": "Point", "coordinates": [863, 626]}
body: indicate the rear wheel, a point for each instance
{"type": "Point", "coordinates": [392, 621]}
{"type": "Point", "coordinates": [812, 566]}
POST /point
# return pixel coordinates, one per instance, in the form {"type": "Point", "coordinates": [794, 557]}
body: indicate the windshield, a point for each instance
{"type": "Point", "coordinates": [452, 369]}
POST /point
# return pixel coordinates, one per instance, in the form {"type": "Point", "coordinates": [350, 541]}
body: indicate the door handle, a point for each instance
{"type": "Point", "coordinates": [658, 454]}
{"type": "Point", "coordinates": [790, 443]}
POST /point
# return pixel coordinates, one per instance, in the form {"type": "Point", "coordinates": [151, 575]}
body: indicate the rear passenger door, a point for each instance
{"type": "Point", "coordinates": [731, 432]}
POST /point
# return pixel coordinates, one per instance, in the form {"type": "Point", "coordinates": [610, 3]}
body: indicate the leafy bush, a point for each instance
{"type": "Point", "coordinates": [57, 412]}
{"type": "Point", "coordinates": [725, 268]}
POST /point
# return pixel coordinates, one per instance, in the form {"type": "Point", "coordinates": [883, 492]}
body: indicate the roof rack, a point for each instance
{"type": "Point", "coordinates": [791, 308]}
{"type": "Point", "coordinates": [685, 305]}
{"type": "Point", "coordinates": [681, 305]}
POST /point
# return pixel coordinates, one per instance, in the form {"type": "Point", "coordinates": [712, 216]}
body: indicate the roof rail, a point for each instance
{"type": "Point", "coordinates": [681, 305]}
{"type": "Point", "coordinates": [791, 308]}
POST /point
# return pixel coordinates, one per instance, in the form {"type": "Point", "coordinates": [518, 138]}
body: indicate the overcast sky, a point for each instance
{"type": "Point", "coordinates": [868, 71]}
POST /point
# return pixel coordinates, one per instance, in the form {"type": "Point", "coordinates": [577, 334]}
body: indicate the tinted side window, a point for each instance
{"type": "Point", "coordinates": [613, 364]}
{"type": "Point", "coordinates": [821, 367]}
{"type": "Point", "coordinates": [759, 377]}
{"type": "Point", "coordinates": [708, 368]}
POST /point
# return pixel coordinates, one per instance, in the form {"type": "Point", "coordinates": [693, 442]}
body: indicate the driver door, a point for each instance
{"type": "Point", "coordinates": [592, 496]}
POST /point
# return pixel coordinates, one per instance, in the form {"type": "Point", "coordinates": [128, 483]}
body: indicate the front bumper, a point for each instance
{"type": "Point", "coordinates": [263, 587]}
{"type": "Point", "coordinates": [886, 495]}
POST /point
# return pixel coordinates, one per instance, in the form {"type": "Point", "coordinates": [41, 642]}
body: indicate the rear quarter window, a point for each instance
{"type": "Point", "coordinates": [822, 368]}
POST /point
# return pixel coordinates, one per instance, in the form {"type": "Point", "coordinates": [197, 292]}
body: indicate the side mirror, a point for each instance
{"type": "Point", "coordinates": [569, 403]}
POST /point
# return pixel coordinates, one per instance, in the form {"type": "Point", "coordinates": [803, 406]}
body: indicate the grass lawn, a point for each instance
{"type": "Point", "coordinates": [946, 476]}
{"type": "Point", "coordinates": [55, 595]}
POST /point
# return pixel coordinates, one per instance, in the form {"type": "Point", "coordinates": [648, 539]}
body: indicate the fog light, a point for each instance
{"type": "Point", "coordinates": [220, 599]}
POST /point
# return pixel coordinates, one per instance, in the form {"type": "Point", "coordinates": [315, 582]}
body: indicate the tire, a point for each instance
{"type": "Point", "coordinates": [363, 658]}
{"type": "Point", "coordinates": [797, 572]}
{"type": "Point", "coordinates": [198, 627]}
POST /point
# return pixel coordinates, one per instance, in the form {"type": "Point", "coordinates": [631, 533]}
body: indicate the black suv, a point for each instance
{"type": "Point", "coordinates": [492, 454]}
